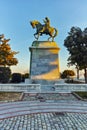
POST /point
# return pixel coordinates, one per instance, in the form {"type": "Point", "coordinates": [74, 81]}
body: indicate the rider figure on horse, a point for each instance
{"type": "Point", "coordinates": [47, 22]}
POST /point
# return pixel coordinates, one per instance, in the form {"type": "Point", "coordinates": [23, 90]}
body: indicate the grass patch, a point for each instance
{"type": "Point", "coordinates": [10, 96]}
{"type": "Point", "coordinates": [83, 95]}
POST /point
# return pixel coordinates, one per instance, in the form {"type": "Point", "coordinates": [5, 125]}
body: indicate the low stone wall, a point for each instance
{"type": "Point", "coordinates": [65, 88]}
{"type": "Point", "coordinates": [20, 87]}
{"type": "Point", "coordinates": [70, 87]}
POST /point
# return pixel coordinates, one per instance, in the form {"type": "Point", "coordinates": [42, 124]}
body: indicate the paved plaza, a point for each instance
{"type": "Point", "coordinates": [48, 96]}
{"type": "Point", "coordinates": [46, 121]}
{"type": "Point", "coordinates": [44, 111]}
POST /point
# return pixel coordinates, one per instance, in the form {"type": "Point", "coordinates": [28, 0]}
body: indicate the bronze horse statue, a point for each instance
{"type": "Point", "coordinates": [43, 29]}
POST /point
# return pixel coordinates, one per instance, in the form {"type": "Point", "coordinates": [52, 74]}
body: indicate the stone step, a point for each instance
{"type": "Point", "coordinates": [21, 103]}
{"type": "Point", "coordinates": [21, 108]}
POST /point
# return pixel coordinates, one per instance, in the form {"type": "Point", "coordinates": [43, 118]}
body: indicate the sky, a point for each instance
{"type": "Point", "coordinates": [15, 17]}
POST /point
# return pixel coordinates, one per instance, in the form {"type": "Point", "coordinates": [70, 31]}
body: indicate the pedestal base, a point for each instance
{"type": "Point", "coordinates": [44, 62]}
{"type": "Point", "coordinates": [41, 82]}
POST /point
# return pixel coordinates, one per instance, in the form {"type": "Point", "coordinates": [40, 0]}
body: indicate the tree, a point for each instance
{"type": "Point", "coordinates": [76, 44]}
{"type": "Point", "coordinates": [67, 73]}
{"type": "Point", "coordinates": [6, 54]}
{"type": "Point", "coordinates": [6, 59]}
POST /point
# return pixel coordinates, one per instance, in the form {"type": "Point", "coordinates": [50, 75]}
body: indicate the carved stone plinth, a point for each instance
{"type": "Point", "coordinates": [44, 60]}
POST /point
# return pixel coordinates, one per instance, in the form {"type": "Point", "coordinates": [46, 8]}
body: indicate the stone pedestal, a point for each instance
{"type": "Point", "coordinates": [44, 61]}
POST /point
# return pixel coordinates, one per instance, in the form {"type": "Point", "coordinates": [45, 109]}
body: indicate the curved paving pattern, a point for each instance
{"type": "Point", "coordinates": [46, 121]}
{"type": "Point", "coordinates": [53, 112]}
{"type": "Point", "coordinates": [27, 107]}
{"type": "Point", "coordinates": [36, 115]}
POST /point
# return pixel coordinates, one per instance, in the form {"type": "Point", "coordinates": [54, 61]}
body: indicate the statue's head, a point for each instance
{"type": "Point", "coordinates": [46, 18]}
{"type": "Point", "coordinates": [34, 23]}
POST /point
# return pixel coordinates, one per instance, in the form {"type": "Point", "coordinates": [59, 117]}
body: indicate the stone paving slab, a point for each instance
{"type": "Point", "coordinates": [46, 121]}
{"type": "Point", "coordinates": [48, 96]}
{"type": "Point", "coordinates": [51, 114]}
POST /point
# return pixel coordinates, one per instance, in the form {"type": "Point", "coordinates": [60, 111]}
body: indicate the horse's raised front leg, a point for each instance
{"type": "Point", "coordinates": [48, 38]}
{"type": "Point", "coordinates": [36, 36]}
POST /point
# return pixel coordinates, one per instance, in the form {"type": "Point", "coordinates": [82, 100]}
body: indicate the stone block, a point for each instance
{"type": "Point", "coordinates": [44, 60]}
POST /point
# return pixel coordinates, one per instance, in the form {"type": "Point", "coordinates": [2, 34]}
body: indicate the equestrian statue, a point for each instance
{"type": "Point", "coordinates": [44, 29]}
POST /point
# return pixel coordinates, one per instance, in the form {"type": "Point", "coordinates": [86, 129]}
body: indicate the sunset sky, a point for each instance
{"type": "Point", "coordinates": [15, 16]}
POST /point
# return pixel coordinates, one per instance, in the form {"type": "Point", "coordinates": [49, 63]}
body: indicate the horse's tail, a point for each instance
{"type": "Point", "coordinates": [56, 32]}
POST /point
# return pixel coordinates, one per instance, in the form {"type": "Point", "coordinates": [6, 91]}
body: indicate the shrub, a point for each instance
{"type": "Point", "coordinates": [24, 76]}
{"type": "Point", "coordinates": [16, 78]}
{"type": "Point", "coordinates": [5, 74]}
{"type": "Point", "coordinates": [67, 73]}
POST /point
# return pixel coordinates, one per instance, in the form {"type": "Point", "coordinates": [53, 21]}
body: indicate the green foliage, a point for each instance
{"type": "Point", "coordinates": [16, 78]}
{"type": "Point", "coordinates": [5, 74]}
{"type": "Point", "coordinates": [67, 73]}
{"type": "Point", "coordinates": [76, 44]}
{"type": "Point", "coordinates": [83, 95]}
{"type": "Point", "coordinates": [26, 75]}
